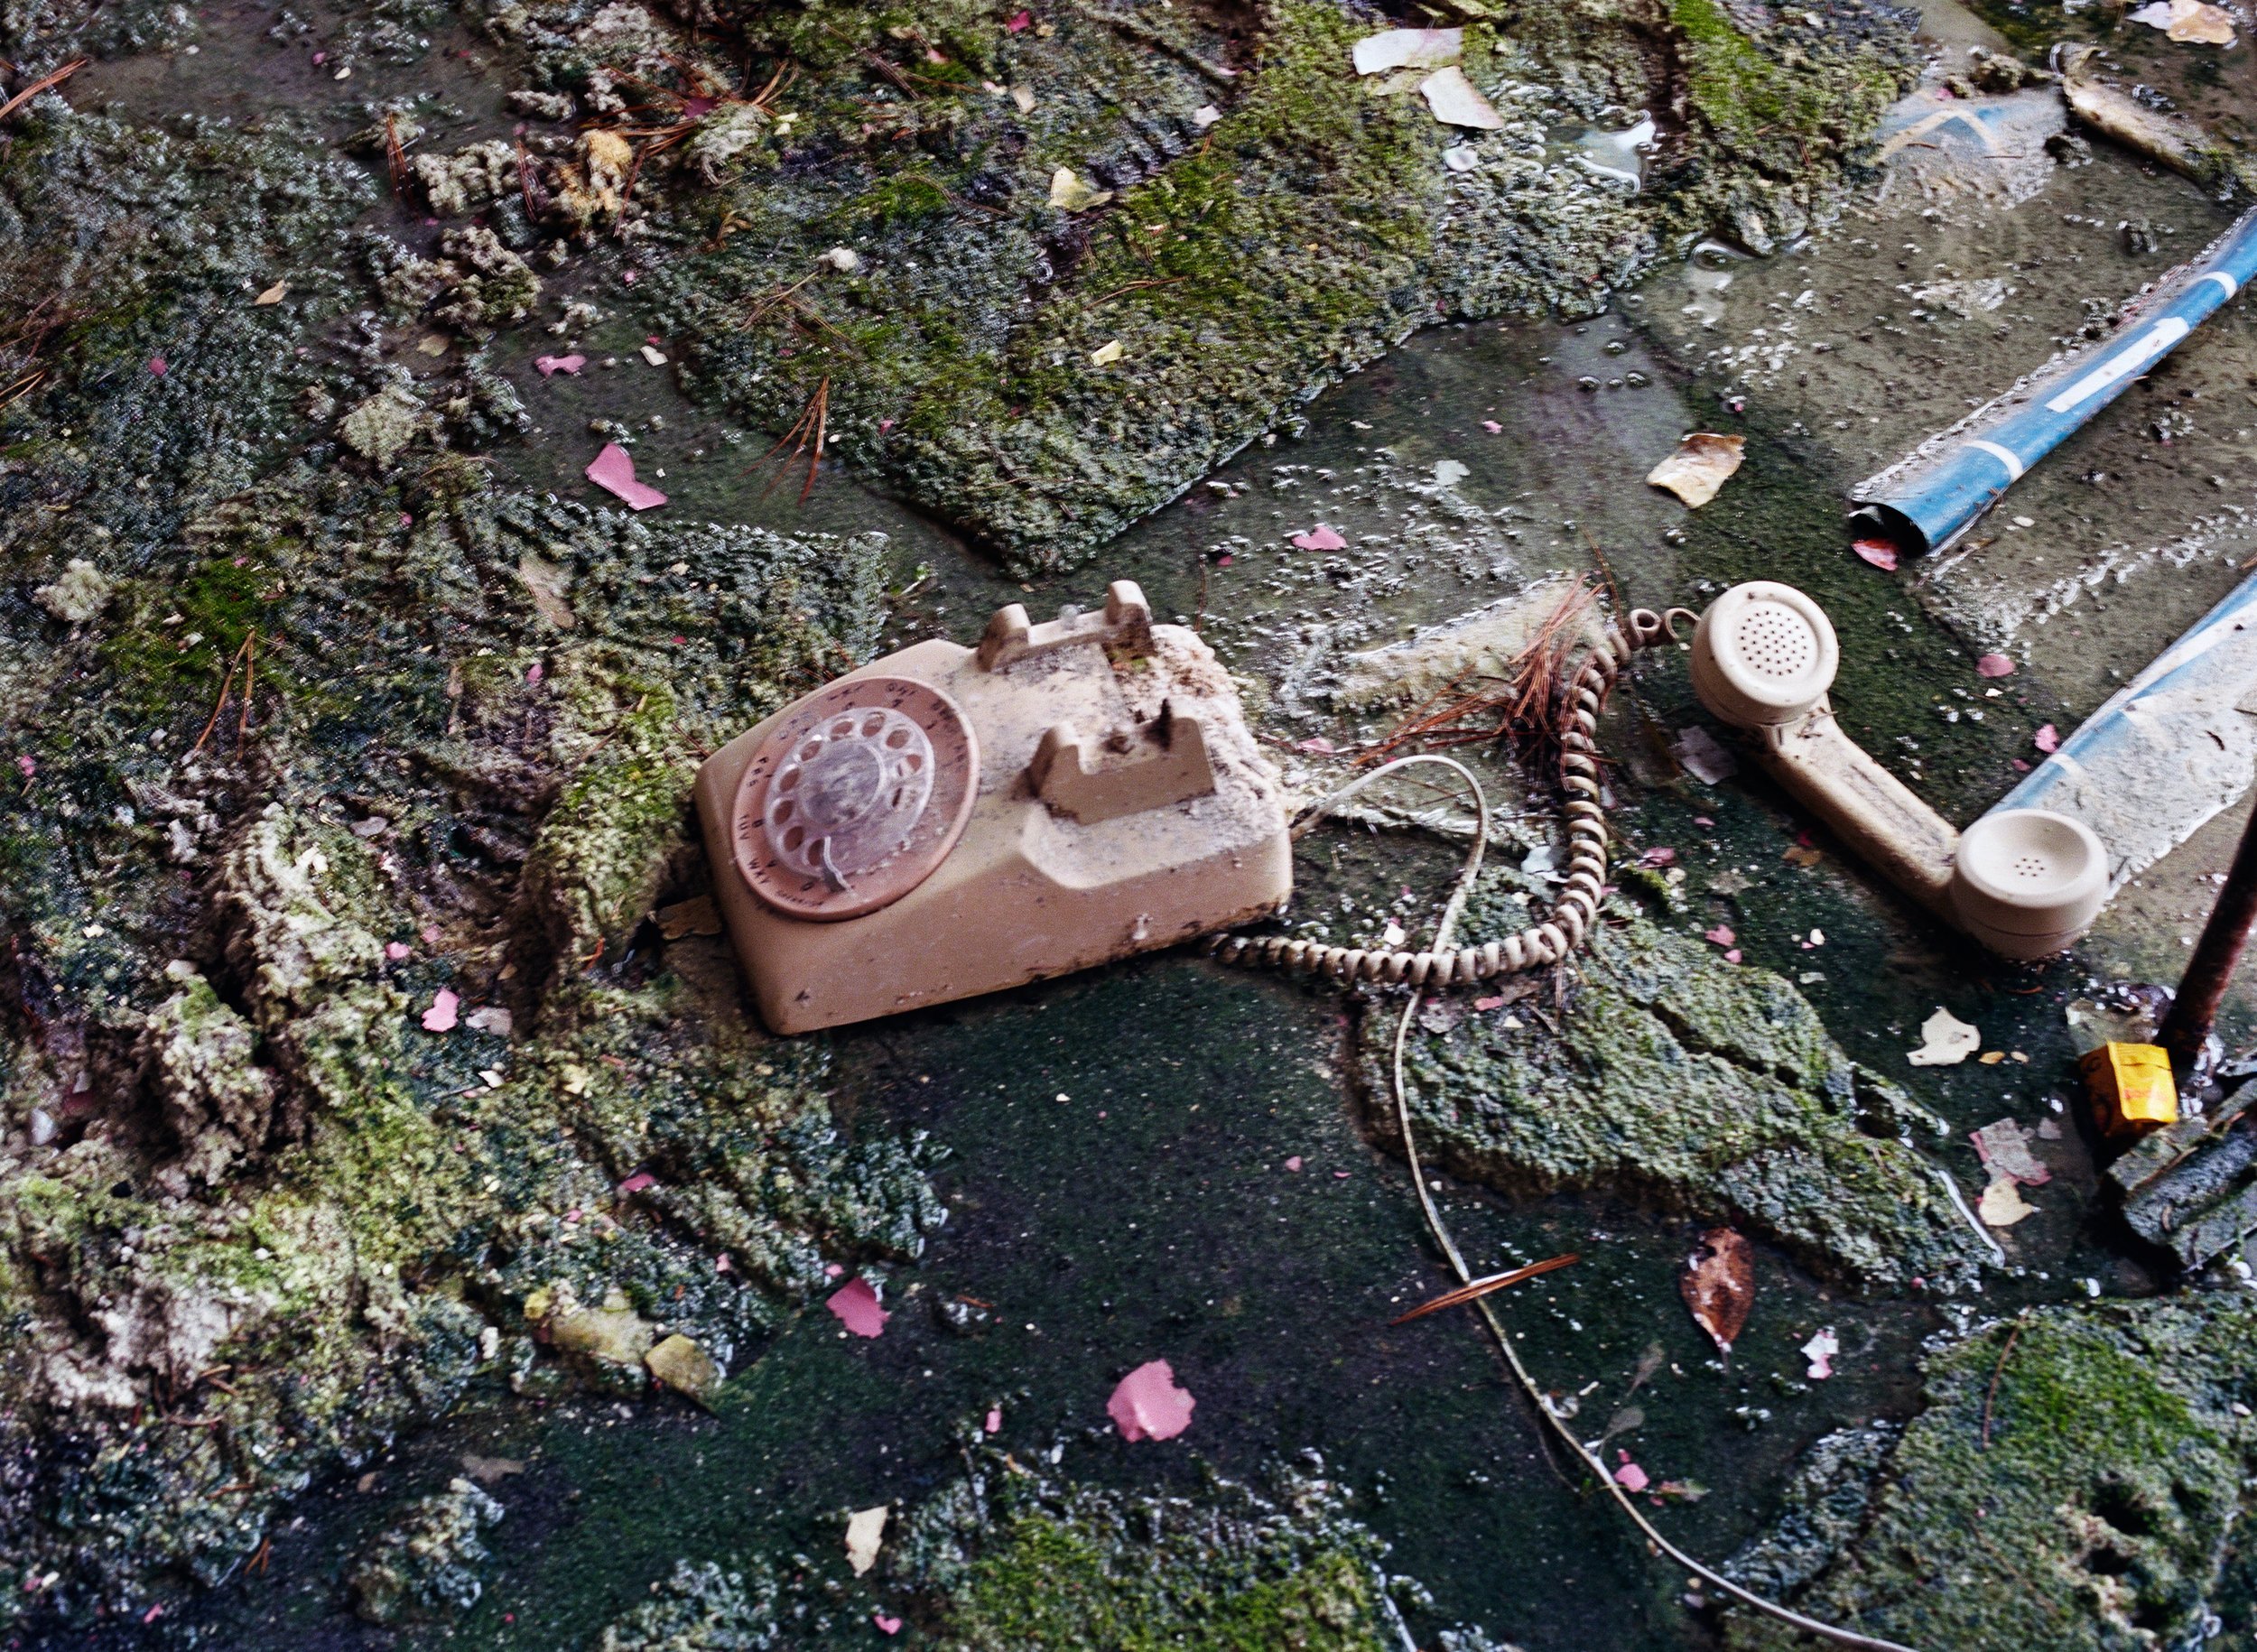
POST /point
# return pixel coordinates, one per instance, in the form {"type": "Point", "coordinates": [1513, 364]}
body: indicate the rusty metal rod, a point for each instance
{"type": "Point", "coordinates": [2187, 1028]}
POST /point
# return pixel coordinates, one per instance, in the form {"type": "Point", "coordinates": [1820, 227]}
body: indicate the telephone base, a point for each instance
{"type": "Point", "coordinates": [1077, 851]}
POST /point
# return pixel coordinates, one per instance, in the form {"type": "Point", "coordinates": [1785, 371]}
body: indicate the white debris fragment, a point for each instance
{"type": "Point", "coordinates": [865, 1529]}
{"type": "Point", "coordinates": [1820, 1351]}
{"type": "Point", "coordinates": [1948, 1041]}
{"type": "Point", "coordinates": [1704, 757]}
{"type": "Point", "coordinates": [1455, 103]}
{"type": "Point", "coordinates": [1408, 48]}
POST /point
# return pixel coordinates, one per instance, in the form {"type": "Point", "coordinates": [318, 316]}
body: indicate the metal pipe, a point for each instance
{"type": "Point", "coordinates": [2187, 1028]}
{"type": "Point", "coordinates": [1931, 497]}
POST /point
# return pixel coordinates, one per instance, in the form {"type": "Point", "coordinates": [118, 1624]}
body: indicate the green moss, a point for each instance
{"type": "Point", "coordinates": [1008, 1558]}
{"type": "Point", "coordinates": [2084, 1501]}
{"type": "Point", "coordinates": [1712, 1088]}
{"type": "Point", "coordinates": [1267, 230]}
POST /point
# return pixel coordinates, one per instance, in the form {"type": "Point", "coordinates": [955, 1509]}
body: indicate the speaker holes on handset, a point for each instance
{"type": "Point", "coordinates": [1776, 642]}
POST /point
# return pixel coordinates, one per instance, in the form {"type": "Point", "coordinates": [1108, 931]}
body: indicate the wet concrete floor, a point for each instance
{"type": "Point", "coordinates": [1119, 1187]}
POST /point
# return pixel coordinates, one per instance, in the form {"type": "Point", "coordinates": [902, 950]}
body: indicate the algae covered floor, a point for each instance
{"type": "Point", "coordinates": [409, 1237]}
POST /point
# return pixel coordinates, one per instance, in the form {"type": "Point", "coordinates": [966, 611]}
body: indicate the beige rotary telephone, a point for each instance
{"type": "Point", "coordinates": [947, 821]}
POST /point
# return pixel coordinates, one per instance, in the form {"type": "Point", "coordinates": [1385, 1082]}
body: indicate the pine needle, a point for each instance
{"type": "Point", "coordinates": [1481, 1287]}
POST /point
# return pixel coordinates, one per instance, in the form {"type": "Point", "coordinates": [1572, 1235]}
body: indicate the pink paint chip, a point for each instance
{"type": "Point", "coordinates": [856, 1304]}
{"type": "Point", "coordinates": [1493, 427]}
{"type": "Point", "coordinates": [1879, 553]}
{"type": "Point", "coordinates": [1722, 935]}
{"type": "Point", "coordinates": [832, 1270]}
{"type": "Point", "coordinates": [1629, 1476]}
{"type": "Point", "coordinates": [1488, 1003]}
{"type": "Point", "coordinates": [628, 277]}
{"type": "Point", "coordinates": [614, 472]}
{"type": "Point", "coordinates": [156, 366]}
{"type": "Point", "coordinates": [2047, 738]}
{"type": "Point", "coordinates": [1319, 745]}
{"type": "Point", "coordinates": [1294, 1164]}
{"type": "Point", "coordinates": [2017, 765]}
{"type": "Point", "coordinates": [1019, 22]}
{"type": "Point", "coordinates": [1658, 857]}
{"type": "Point", "coordinates": [398, 949]}
{"type": "Point", "coordinates": [884, 425]}
{"type": "Point", "coordinates": [27, 765]}
{"type": "Point", "coordinates": [1702, 820]}
{"type": "Point", "coordinates": [1320, 538]}
{"type": "Point", "coordinates": [533, 672]}
{"type": "Point", "coordinates": [1148, 1406]}
{"type": "Point", "coordinates": [636, 1183]}
{"type": "Point", "coordinates": [431, 935]}
{"type": "Point", "coordinates": [1340, 1175]}
{"type": "Point", "coordinates": [551, 366]}
{"type": "Point", "coordinates": [993, 1424]}
{"type": "Point", "coordinates": [439, 1017]}
{"type": "Point", "coordinates": [1994, 665]}
{"type": "Point", "coordinates": [892, 1626]}
{"type": "Point", "coordinates": [1732, 956]}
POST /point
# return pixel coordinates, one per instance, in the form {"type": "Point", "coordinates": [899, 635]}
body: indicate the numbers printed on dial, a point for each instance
{"type": "Point", "coordinates": [855, 797]}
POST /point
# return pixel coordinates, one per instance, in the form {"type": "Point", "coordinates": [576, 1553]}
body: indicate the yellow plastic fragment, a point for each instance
{"type": "Point", "coordinates": [2132, 1088]}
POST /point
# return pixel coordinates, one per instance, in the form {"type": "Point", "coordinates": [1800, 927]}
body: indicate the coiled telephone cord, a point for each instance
{"type": "Point", "coordinates": [1546, 943]}
{"type": "Point", "coordinates": [1577, 909]}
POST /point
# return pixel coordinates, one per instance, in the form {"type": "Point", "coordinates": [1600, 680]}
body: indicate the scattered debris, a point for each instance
{"type": "Point", "coordinates": [80, 594]}
{"type": "Point", "coordinates": [2188, 20]}
{"type": "Point", "coordinates": [1070, 194]}
{"type": "Point", "coordinates": [1105, 353]}
{"type": "Point", "coordinates": [865, 1530]}
{"type": "Point", "coordinates": [1718, 1285]}
{"type": "Point", "coordinates": [273, 295]}
{"type": "Point", "coordinates": [697, 916]}
{"type": "Point", "coordinates": [1994, 665]}
{"type": "Point", "coordinates": [1702, 464]}
{"type": "Point", "coordinates": [858, 1309]}
{"type": "Point", "coordinates": [685, 1367]}
{"type": "Point", "coordinates": [2003, 1147]}
{"type": "Point", "coordinates": [1148, 1406]}
{"type": "Point", "coordinates": [490, 1470]}
{"type": "Point", "coordinates": [1455, 102]}
{"type": "Point", "coordinates": [1481, 1287]}
{"type": "Point", "coordinates": [2130, 1086]}
{"type": "Point", "coordinates": [1948, 1041]}
{"type": "Point", "coordinates": [1703, 756]}
{"type": "Point", "coordinates": [654, 355]}
{"type": "Point", "coordinates": [2190, 1187]}
{"type": "Point", "coordinates": [489, 1018]}
{"type": "Point", "coordinates": [1820, 1351]}
{"type": "Point", "coordinates": [614, 472]}
{"type": "Point", "coordinates": [1408, 48]}
{"type": "Point", "coordinates": [2003, 1205]}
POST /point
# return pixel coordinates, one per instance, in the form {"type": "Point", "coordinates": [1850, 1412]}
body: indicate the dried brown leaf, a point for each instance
{"type": "Point", "coordinates": [1719, 1284]}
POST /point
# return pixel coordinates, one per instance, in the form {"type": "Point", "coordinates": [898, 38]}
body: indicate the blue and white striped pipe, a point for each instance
{"type": "Point", "coordinates": [1929, 499]}
{"type": "Point", "coordinates": [2167, 751]}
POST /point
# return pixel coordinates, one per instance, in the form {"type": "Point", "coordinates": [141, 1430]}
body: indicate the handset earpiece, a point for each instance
{"type": "Point", "coordinates": [2024, 882]}
{"type": "Point", "coordinates": [2027, 882]}
{"type": "Point", "coordinates": [1763, 654]}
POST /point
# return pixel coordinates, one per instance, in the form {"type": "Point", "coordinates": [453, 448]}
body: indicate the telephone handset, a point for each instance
{"type": "Point", "coordinates": [947, 822]}
{"type": "Point", "coordinates": [2024, 882]}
